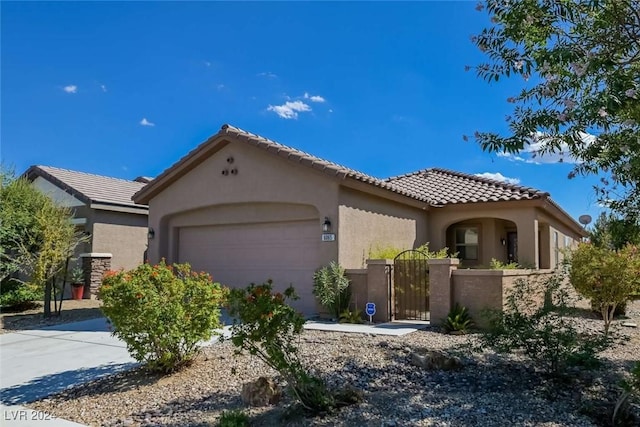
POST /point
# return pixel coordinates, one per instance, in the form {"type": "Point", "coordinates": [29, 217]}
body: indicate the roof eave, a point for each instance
{"type": "Point", "coordinates": [34, 171]}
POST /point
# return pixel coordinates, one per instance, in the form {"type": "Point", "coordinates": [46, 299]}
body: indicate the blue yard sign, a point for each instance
{"type": "Point", "coordinates": [370, 309]}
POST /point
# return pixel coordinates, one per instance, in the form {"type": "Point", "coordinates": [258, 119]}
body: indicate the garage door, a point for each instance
{"type": "Point", "coordinates": [236, 255]}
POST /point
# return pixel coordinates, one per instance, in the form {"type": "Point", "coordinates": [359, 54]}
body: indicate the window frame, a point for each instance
{"type": "Point", "coordinates": [456, 245]}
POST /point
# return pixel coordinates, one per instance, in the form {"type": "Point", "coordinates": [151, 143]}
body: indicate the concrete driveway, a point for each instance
{"type": "Point", "coordinates": [39, 362]}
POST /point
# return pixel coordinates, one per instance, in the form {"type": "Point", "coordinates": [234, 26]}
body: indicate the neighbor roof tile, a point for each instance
{"type": "Point", "coordinates": [90, 187]}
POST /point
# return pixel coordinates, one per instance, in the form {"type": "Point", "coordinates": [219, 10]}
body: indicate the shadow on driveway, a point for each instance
{"type": "Point", "coordinates": [54, 383]}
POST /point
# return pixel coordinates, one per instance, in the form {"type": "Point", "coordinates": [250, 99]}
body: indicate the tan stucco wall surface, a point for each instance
{"type": "Point", "coordinates": [123, 235]}
{"type": "Point", "coordinates": [367, 222]}
{"type": "Point", "coordinates": [263, 187]}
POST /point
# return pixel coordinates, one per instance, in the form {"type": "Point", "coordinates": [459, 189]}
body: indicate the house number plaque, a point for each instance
{"type": "Point", "coordinates": [328, 237]}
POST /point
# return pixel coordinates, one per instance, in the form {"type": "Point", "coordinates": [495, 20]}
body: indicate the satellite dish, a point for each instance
{"type": "Point", "coordinates": [585, 219]}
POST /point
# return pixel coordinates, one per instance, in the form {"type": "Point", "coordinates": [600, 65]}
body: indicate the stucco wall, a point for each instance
{"type": "Point", "coordinates": [255, 192]}
{"type": "Point", "coordinates": [479, 290]}
{"type": "Point", "coordinates": [121, 234]}
{"type": "Point", "coordinates": [367, 222]}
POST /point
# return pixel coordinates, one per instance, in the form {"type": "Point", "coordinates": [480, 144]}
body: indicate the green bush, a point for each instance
{"type": "Point", "coordinates": [390, 252]}
{"type": "Point", "coordinates": [499, 265]}
{"type": "Point", "coordinates": [607, 277]}
{"type": "Point", "coordinates": [348, 316]}
{"type": "Point", "coordinates": [266, 326]}
{"type": "Point", "coordinates": [458, 320]}
{"type": "Point", "coordinates": [162, 312]}
{"type": "Point", "coordinates": [234, 418]}
{"type": "Point", "coordinates": [630, 393]}
{"type": "Point", "coordinates": [16, 295]}
{"type": "Point", "coordinates": [331, 287]}
{"type": "Point", "coordinates": [545, 333]}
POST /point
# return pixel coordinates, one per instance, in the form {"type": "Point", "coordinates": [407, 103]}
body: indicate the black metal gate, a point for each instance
{"type": "Point", "coordinates": [410, 296]}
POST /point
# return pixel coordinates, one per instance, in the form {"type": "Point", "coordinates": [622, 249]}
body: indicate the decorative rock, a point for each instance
{"type": "Point", "coordinates": [629, 324]}
{"type": "Point", "coordinates": [435, 360]}
{"type": "Point", "coordinates": [261, 392]}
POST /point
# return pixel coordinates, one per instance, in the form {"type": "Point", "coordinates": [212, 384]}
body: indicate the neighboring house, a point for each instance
{"type": "Point", "coordinates": [246, 209]}
{"type": "Point", "coordinates": [102, 208]}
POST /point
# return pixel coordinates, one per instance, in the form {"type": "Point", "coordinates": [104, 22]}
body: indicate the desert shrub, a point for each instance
{"type": "Point", "coordinates": [16, 295]}
{"type": "Point", "coordinates": [545, 333]}
{"type": "Point", "coordinates": [234, 418]}
{"type": "Point", "coordinates": [390, 252]}
{"type": "Point", "coordinates": [458, 320]}
{"type": "Point", "coordinates": [607, 277]}
{"type": "Point", "coordinates": [266, 326]}
{"type": "Point", "coordinates": [499, 265]}
{"type": "Point", "coordinates": [630, 393]}
{"type": "Point", "coordinates": [162, 312]}
{"type": "Point", "coordinates": [348, 316]}
{"type": "Point", "coordinates": [331, 287]}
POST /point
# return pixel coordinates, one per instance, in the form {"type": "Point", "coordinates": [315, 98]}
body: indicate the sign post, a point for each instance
{"type": "Point", "coordinates": [370, 309]}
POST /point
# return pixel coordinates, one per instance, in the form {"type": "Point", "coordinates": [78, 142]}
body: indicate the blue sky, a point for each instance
{"type": "Point", "coordinates": [126, 89]}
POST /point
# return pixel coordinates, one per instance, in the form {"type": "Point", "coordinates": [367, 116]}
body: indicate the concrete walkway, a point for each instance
{"type": "Point", "coordinates": [397, 328]}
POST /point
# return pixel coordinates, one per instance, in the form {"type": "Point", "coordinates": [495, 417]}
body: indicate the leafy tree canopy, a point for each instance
{"type": "Point", "coordinates": [614, 232]}
{"type": "Point", "coordinates": [580, 65]}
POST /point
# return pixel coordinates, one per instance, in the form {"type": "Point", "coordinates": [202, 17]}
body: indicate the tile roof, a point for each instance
{"type": "Point", "coordinates": [289, 153]}
{"type": "Point", "coordinates": [443, 187]}
{"type": "Point", "coordinates": [90, 188]}
{"type": "Point", "coordinates": [434, 186]}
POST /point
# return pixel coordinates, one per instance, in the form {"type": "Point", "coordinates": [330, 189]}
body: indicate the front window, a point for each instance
{"type": "Point", "coordinates": [467, 243]}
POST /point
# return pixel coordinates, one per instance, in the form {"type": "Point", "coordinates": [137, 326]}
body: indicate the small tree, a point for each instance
{"type": "Point", "coordinates": [614, 232]}
{"type": "Point", "coordinates": [331, 287]}
{"type": "Point", "coordinates": [36, 235]}
{"type": "Point", "coordinates": [607, 277]}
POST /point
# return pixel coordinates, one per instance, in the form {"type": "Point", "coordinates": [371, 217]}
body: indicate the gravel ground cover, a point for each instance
{"type": "Point", "coordinates": [490, 390]}
{"type": "Point", "coordinates": [72, 311]}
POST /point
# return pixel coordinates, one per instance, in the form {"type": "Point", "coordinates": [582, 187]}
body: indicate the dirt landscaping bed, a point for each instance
{"type": "Point", "coordinates": [489, 390]}
{"type": "Point", "coordinates": [72, 311]}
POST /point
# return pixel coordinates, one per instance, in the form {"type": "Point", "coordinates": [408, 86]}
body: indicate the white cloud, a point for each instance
{"type": "Point", "coordinates": [145, 122]}
{"type": "Point", "coordinates": [70, 89]}
{"type": "Point", "coordinates": [103, 87]}
{"type": "Point", "coordinates": [220, 86]}
{"type": "Point", "coordinates": [314, 98]}
{"type": "Point", "coordinates": [497, 176]}
{"type": "Point", "coordinates": [532, 153]}
{"type": "Point", "coordinates": [268, 74]}
{"type": "Point", "coordinates": [290, 109]}
{"type": "Point", "coordinates": [207, 63]}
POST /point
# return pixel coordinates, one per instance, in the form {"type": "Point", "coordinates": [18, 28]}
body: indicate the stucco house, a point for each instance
{"type": "Point", "coordinates": [246, 208]}
{"type": "Point", "coordinates": [103, 208]}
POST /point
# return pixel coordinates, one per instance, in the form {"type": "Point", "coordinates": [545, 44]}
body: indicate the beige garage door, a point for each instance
{"type": "Point", "coordinates": [236, 255]}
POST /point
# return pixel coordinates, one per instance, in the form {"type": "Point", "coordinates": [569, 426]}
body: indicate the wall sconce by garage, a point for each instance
{"type": "Point", "coordinates": [503, 241]}
{"type": "Point", "coordinates": [151, 233]}
{"type": "Point", "coordinates": [326, 225]}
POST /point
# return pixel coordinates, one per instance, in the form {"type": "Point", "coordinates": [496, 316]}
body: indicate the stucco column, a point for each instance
{"type": "Point", "coordinates": [528, 242]}
{"type": "Point", "coordinates": [378, 287]}
{"type": "Point", "coordinates": [441, 288]}
{"type": "Point", "coordinates": [94, 265]}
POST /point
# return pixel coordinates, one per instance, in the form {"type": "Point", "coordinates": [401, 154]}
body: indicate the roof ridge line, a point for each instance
{"type": "Point", "coordinates": [490, 181]}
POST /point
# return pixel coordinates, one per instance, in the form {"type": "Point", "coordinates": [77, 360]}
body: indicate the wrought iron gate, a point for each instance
{"type": "Point", "coordinates": [410, 286]}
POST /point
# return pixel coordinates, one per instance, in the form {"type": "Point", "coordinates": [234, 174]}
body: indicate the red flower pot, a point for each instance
{"type": "Point", "coordinates": [77, 290]}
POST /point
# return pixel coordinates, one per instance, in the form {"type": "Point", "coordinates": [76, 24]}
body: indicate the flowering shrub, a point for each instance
{"type": "Point", "coordinates": [161, 312]}
{"type": "Point", "coordinates": [267, 327]}
{"type": "Point", "coordinates": [608, 277]}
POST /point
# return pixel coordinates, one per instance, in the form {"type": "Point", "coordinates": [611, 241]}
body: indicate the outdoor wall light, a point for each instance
{"type": "Point", "coordinates": [326, 225]}
{"type": "Point", "coordinates": [151, 233]}
{"type": "Point", "coordinates": [503, 241]}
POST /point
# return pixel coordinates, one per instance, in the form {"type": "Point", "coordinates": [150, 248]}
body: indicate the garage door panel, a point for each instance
{"type": "Point", "coordinates": [236, 255]}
